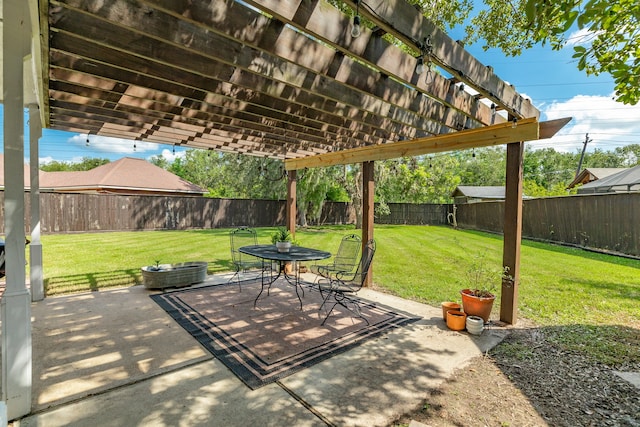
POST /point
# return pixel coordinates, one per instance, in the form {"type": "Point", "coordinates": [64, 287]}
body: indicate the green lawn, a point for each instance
{"type": "Point", "coordinates": [559, 287]}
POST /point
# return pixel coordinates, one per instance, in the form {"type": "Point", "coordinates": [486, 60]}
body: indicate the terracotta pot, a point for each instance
{"type": "Point", "coordinates": [475, 325]}
{"type": "Point", "coordinates": [288, 268]}
{"type": "Point", "coordinates": [477, 306]}
{"type": "Point", "coordinates": [456, 320]}
{"type": "Point", "coordinates": [448, 305]}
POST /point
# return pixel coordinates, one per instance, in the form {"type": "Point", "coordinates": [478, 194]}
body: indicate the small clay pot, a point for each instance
{"type": "Point", "coordinates": [448, 305]}
{"type": "Point", "coordinates": [456, 320]}
{"type": "Point", "coordinates": [475, 325]}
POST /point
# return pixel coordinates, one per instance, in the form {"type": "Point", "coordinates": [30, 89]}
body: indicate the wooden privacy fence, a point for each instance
{"type": "Point", "coordinates": [65, 213]}
{"type": "Point", "coordinates": [414, 214]}
{"type": "Point", "coordinates": [601, 221]}
{"type": "Point", "coordinates": [606, 221]}
{"type": "Point", "coordinates": [76, 212]}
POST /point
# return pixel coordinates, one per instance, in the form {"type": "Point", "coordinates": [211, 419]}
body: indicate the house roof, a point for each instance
{"type": "Point", "coordinates": [591, 174]}
{"type": "Point", "coordinates": [27, 177]}
{"type": "Point", "coordinates": [625, 180]}
{"type": "Point", "coordinates": [125, 174]}
{"type": "Point", "coordinates": [479, 192]}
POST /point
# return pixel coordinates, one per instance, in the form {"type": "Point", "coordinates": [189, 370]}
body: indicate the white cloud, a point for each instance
{"type": "Point", "coordinates": [170, 156]}
{"type": "Point", "coordinates": [582, 37]}
{"type": "Point", "coordinates": [107, 144]}
{"type": "Point", "coordinates": [44, 160]}
{"type": "Point", "coordinates": [609, 124]}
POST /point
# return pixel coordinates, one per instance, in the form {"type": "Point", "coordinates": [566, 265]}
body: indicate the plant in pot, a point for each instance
{"type": "Point", "coordinates": [283, 239]}
{"type": "Point", "coordinates": [479, 294]}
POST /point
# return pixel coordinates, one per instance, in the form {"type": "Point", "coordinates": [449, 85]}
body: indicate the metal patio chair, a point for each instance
{"type": "Point", "coordinates": [239, 237]}
{"type": "Point", "coordinates": [343, 286]}
{"type": "Point", "coordinates": [343, 261]}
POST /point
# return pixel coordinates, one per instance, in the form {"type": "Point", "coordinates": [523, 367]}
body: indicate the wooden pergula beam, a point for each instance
{"type": "Point", "coordinates": [520, 130]}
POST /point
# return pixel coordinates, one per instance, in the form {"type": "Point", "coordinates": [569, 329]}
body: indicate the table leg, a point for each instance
{"type": "Point", "coordinates": [272, 279]}
{"type": "Point", "coordinates": [281, 272]}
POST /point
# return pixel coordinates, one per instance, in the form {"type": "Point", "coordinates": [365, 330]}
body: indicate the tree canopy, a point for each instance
{"type": "Point", "coordinates": [424, 179]}
{"type": "Point", "coordinates": [87, 163]}
{"type": "Point", "coordinates": [611, 30]}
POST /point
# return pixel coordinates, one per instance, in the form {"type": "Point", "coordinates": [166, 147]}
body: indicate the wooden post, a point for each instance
{"type": "Point", "coordinates": [368, 191]}
{"type": "Point", "coordinates": [35, 248]}
{"type": "Point", "coordinates": [512, 233]}
{"type": "Point", "coordinates": [15, 305]}
{"type": "Point", "coordinates": [291, 201]}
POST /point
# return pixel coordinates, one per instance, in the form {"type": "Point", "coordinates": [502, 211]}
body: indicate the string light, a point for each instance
{"type": "Point", "coordinates": [420, 65]}
{"type": "Point", "coordinates": [355, 30]}
{"type": "Point", "coordinates": [425, 50]}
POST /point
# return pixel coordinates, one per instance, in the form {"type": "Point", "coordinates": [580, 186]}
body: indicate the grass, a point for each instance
{"type": "Point", "coordinates": [576, 290]}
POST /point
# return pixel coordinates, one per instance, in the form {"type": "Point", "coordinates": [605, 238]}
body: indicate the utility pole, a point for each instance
{"type": "Point", "coordinates": [584, 148]}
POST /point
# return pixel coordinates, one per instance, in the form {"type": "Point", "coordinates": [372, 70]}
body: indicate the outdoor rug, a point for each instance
{"type": "Point", "coordinates": [275, 339]}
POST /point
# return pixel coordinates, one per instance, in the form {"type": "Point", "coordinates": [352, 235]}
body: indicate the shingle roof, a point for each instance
{"type": "Point", "coordinates": [625, 180]}
{"type": "Point", "coordinates": [125, 174]}
{"type": "Point", "coordinates": [480, 192]}
{"type": "Point", "coordinates": [590, 174]}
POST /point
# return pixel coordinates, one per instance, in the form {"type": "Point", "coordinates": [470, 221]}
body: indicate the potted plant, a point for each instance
{"type": "Point", "coordinates": [283, 239]}
{"type": "Point", "coordinates": [478, 296]}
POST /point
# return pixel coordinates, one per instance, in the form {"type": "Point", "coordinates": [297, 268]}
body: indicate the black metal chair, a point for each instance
{"type": "Point", "coordinates": [344, 284]}
{"type": "Point", "coordinates": [343, 261]}
{"type": "Point", "coordinates": [239, 237]}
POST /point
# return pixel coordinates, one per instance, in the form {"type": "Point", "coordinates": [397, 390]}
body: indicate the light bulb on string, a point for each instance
{"type": "Point", "coordinates": [420, 65]}
{"type": "Point", "coordinates": [355, 30]}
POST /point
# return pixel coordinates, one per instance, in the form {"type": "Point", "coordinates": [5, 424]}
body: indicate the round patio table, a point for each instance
{"type": "Point", "coordinates": [295, 254]}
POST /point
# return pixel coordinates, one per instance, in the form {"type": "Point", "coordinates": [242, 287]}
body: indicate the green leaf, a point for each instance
{"type": "Point", "coordinates": [530, 10]}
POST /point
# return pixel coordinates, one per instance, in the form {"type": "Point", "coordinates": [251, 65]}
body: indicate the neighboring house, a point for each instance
{"type": "Point", "coordinates": [124, 176]}
{"type": "Point", "coordinates": [621, 182]}
{"type": "Point", "coordinates": [591, 174]}
{"type": "Point", "coordinates": [473, 194]}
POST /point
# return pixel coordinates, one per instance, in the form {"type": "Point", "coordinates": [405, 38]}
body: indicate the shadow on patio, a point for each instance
{"type": "Point", "coordinates": [116, 358]}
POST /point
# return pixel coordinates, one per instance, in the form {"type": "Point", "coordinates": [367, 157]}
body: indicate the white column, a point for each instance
{"type": "Point", "coordinates": [16, 304]}
{"type": "Point", "coordinates": [36, 281]}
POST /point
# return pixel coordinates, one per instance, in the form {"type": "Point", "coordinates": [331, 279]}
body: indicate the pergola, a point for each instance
{"type": "Point", "coordinates": [272, 78]}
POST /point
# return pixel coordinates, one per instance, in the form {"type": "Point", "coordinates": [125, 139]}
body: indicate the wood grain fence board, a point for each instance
{"type": "Point", "coordinates": [603, 221]}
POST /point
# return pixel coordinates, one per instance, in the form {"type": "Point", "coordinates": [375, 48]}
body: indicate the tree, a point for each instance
{"type": "Point", "coordinates": [611, 43]}
{"type": "Point", "coordinates": [612, 30]}
{"type": "Point", "coordinates": [87, 163]}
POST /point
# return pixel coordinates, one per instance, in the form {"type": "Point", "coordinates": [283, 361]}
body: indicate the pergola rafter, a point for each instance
{"type": "Point", "coordinates": [281, 79]}
{"type": "Point", "coordinates": [229, 65]}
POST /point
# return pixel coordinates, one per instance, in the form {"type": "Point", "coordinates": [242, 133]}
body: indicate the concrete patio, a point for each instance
{"type": "Point", "coordinates": [115, 358]}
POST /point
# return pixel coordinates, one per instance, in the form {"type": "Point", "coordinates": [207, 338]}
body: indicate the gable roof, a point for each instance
{"type": "Point", "coordinates": [479, 191]}
{"type": "Point", "coordinates": [625, 180]}
{"type": "Point", "coordinates": [125, 175]}
{"type": "Point", "coordinates": [27, 176]}
{"type": "Point", "coordinates": [591, 174]}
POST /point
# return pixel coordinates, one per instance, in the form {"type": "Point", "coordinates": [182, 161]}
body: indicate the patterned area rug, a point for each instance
{"type": "Point", "coordinates": [275, 339]}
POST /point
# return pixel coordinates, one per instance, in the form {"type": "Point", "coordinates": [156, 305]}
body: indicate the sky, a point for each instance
{"type": "Point", "coordinates": [550, 78]}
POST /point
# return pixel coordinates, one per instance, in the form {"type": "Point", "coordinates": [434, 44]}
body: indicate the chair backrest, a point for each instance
{"type": "Point", "coordinates": [357, 280]}
{"type": "Point", "coordinates": [348, 251]}
{"type": "Point", "coordinates": [242, 236]}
